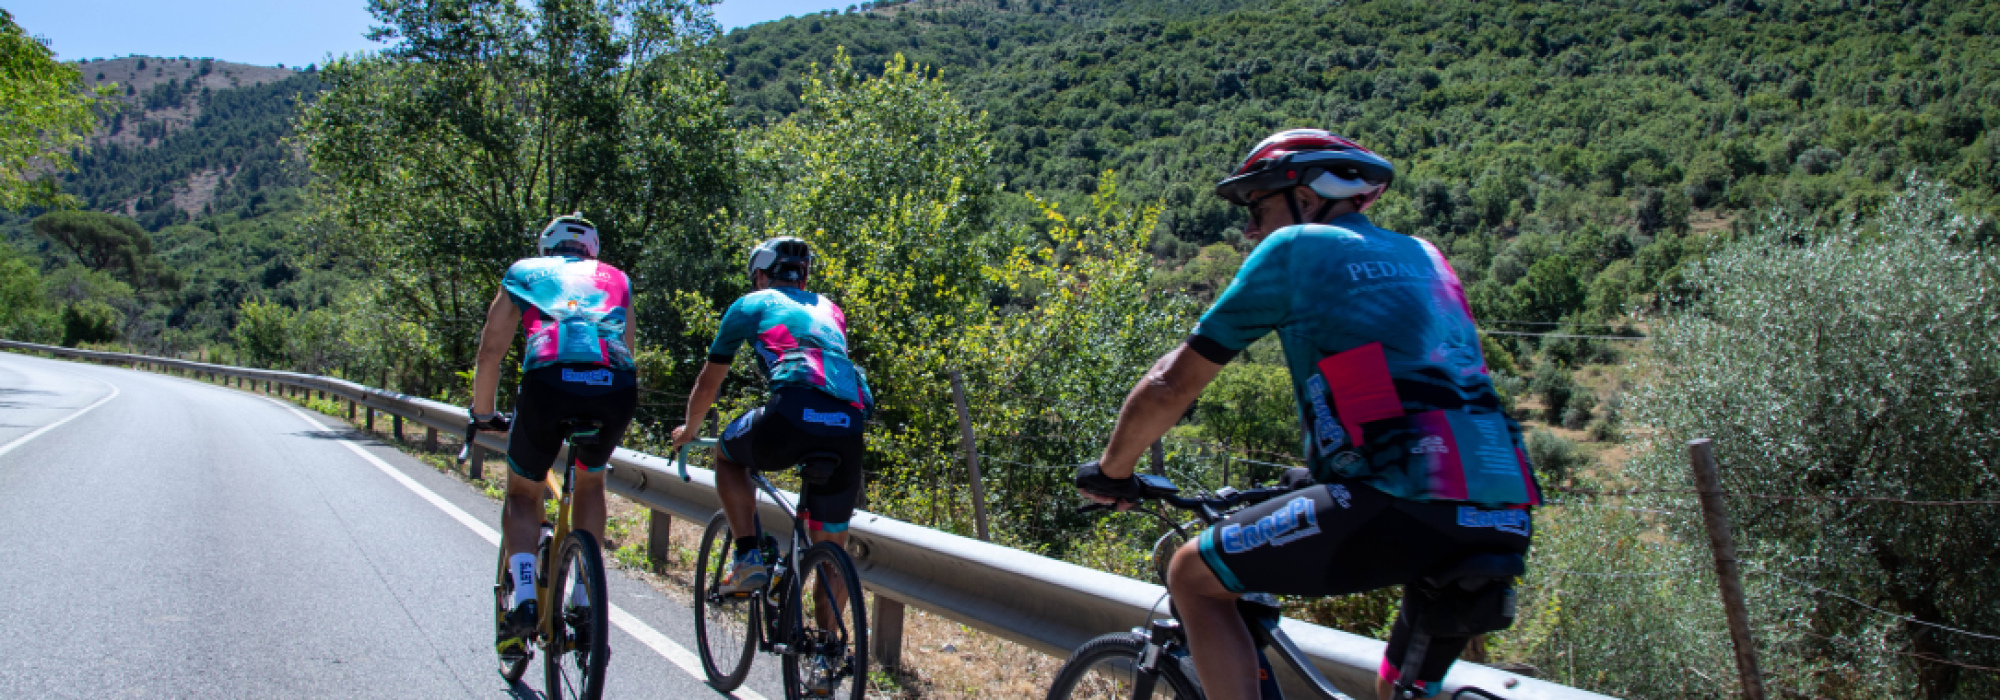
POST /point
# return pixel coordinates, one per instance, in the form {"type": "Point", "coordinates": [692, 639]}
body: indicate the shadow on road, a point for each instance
{"type": "Point", "coordinates": [357, 436]}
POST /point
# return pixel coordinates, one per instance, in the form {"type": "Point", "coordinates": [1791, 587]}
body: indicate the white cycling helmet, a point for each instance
{"type": "Point", "coordinates": [570, 230]}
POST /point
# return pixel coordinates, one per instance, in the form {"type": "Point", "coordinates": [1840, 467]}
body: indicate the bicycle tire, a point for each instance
{"type": "Point", "coordinates": [511, 668]}
{"type": "Point", "coordinates": [1101, 669]}
{"type": "Point", "coordinates": [578, 647]}
{"type": "Point", "coordinates": [836, 652]}
{"type": "Point", "coordinates": [725, 631]}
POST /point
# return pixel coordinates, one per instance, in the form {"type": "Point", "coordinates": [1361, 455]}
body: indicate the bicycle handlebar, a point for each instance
{"type": "Point", "coordinates": [680, 455]}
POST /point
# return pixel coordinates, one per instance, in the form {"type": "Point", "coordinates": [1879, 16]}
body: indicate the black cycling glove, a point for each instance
{"type": "Point", "coordinates": [496, 422]}
{"type": "Point", "coordinates": [1090, 477]}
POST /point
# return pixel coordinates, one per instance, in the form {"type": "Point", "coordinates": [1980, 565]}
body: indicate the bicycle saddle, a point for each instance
{"type": "Point", "coordinates": [817, 467]}
{"type": "Point", "coordinates": [580, 431]}
{"type": "Point", "coordinates": [1477, 570]}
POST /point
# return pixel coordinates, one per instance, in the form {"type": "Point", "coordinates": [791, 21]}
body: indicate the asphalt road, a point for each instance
{"type": "Point", "coordinates": [179, 539]}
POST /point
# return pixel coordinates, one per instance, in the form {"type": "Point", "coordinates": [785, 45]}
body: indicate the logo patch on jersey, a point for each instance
{"type": "Point", "coordinates": [1327, 433]}
{"type": "Point", "coordinates": [831, 418]}
{"type": "Point", "coordinates": [1430, 445]}
{"type": "Point", "coordinates": [1290, 523]}
{"type": "Point", "coordinates": [595, 377]}
{"type": "Point", "coordinates": [1508, 521]}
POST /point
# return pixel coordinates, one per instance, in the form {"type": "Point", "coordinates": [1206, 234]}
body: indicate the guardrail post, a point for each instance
{"type": "Point", "coordinates": [971, 454]}
{"type": "Point", "coordinates": [396, 425]}
{"type": "Point", "coordinates": [371, 419]}
{"type": "Point", "coordinates": [430, 439]}
{"type": "Point", "coordinates": [350, 410]}
{"type": "Point", "coordinates": [886, 639]}
{"type": "Point", "coordinates": [659, 538]}
{"type": "Point", "coordinates": [1708, 484]}
{"type": "Point", "coordinates": [478, 463]}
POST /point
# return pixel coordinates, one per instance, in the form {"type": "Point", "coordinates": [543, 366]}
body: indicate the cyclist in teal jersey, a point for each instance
{"type": "Point", "coordinates": [577, 315]}
{"type": "Point", "coordinates": [1417, 466]}
{"type": "Point", "coordinates": [818, 401]}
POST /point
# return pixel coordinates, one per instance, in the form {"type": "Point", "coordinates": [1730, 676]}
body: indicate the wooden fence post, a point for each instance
{"type": "Point", "coordinates": [886, 643]}
{"type": "Point", "coordinates": [971, 454]}
{"type": "Point", "coordinates": [659, 539]}
{"type": "Point", "coordinates": [1708, 483]}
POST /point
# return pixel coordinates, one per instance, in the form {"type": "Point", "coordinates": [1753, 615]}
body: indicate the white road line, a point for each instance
{"type": "Point", "coordinates": [19, 441]}
{"type": "Point", "coordinates": [659, 643]}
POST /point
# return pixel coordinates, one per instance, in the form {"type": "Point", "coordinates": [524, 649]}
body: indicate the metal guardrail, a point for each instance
{"type": "Point", "coordinates": [1048, 605]}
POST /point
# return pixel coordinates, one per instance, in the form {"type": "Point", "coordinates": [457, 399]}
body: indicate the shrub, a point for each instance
{"type": "Point", "coordinates": [1854, 360]}
{"type": "Point", "coordinates": [1556, 458]}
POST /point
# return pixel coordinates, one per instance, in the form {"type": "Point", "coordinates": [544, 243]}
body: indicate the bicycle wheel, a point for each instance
{"type": "Point", "coordinates": [1163, 553]}
{"type": "Point", "coordinates": [512, 666]}
{"type": "Point", "coordinates": [829, 628]}
{"type": "Point", "coordinates": [1102, 668]}
{"type": "Point", "coordinates": [725, 628]}
{"type": "Point", "coordinates": [575, 654]}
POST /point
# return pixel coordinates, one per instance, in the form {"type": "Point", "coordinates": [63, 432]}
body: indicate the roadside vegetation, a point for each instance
{"type": "Point", "coordinates": [1769, 224]}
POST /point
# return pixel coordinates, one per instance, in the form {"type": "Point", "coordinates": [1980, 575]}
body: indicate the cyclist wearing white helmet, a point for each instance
{"type": "Point", "coordinates": [1417, 467]}
{"type": "Point", "coordinates": [818, 401]}
{"type": "Point", "coordinates": [577, 314]}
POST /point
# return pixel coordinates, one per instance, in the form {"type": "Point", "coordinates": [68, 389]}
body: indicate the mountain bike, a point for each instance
{"type": "Point", "coordinates": [574, 632]}
{"type": "Point", "coordinates": [810, 613]}
{"type": "Point", "coordinates": [1153, 661]}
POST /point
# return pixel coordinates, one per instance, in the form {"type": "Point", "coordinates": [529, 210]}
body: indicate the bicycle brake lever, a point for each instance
{"type": "Point", "coordinates": [680, 460]}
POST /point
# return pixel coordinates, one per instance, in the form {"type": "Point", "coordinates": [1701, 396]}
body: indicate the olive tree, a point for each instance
{"type": "Point", "coordinates": [1844, 372]}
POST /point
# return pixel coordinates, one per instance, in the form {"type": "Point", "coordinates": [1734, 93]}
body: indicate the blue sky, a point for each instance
{"type": "Point", "coordinates": [268, 32]}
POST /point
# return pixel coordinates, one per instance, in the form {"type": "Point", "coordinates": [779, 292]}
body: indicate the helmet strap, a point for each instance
{"type": "Point", "coordinates": [1292, 200]}
{"type": "Point", "coordinates": [1319, 217]}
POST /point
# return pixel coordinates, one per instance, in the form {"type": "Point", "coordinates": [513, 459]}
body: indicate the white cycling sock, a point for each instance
{"type": "Point", "coordinates": [579, 596]}
{"type": "Point", "coordinates": [523, 566]}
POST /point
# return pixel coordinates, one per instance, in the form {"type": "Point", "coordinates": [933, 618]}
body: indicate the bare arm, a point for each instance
{"type": "Point", "coordinates": [1155, 404]}
{"type": "Point", "coordinates": [494, 339]}
{"type": "Point", "coordinates": [700, 399]}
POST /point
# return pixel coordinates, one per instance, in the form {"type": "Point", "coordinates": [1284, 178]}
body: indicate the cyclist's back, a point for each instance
{"type": "Point", "coordinates": [577, 370]}
{"type": "Point", "coordinates": [1418, 466]}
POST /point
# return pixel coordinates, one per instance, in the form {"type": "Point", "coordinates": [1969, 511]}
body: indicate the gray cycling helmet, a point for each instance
{"type": "Point", "coordinates": [788, 259]}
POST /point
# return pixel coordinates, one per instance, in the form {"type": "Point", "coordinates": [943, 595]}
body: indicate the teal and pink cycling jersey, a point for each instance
{"type": "Point", "coordinates": [573, 309]}
{"type": "Point", "coordinates": [801, 340]}
{"type": "Point", "coordinates": [1391, 384]}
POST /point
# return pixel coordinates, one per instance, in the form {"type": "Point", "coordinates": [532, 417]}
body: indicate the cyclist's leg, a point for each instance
{"type": "Point", "coordinates": [532, 445]}
{"type": "Point", "coordinates": [828, 507]}
{"type": "Point", "coordinates": [613, 412]}
{"type": "Point", "coordinates": [1225, 657]}
{"type": "Point", "coordinates": [734, 458]}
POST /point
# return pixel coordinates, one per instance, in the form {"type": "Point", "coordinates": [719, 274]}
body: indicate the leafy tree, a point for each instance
{"type": "Point", "coordinates": [436, 155]}
{"type": "Point", "coordinates": [48, 113]}
{"type": "Point", "coordinates": [1250, 407]}
{"type": "Point", "coordinates": [90, 321]}
{"type": "Point", "coordinates": [1860, 360]}
{"type": "Point", "coordinates": [23, 307]}
{"type": "Point", "coordinates": [261, 329]}
{"type": "Point", "coordinates": [106, 243]}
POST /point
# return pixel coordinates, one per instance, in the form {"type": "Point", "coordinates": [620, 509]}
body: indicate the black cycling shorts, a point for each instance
{"type": "Point", "coordinates": [1347, 537]}
{"type": "Point", "coordinates": [796, 422]}
{"type": "Point", "coordinates": [550, 395]}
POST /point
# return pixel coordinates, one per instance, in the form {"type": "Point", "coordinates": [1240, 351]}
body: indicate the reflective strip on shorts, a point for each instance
{"type": "Point", "coordinates": [1208, 554]}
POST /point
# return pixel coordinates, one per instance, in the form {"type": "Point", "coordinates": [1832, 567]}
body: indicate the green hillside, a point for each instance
{"type": "Point", "coordinates": [193, 150]}
{"type": "Point", "coordinates": [1577, 133]}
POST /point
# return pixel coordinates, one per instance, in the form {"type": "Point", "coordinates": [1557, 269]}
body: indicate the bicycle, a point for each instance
{"type": "Point", "coordinates": [821, 639]}
{"type": "Point", "coordinates": [581, 631]}
{"type": "Point", "coordinates": [1153, 661]}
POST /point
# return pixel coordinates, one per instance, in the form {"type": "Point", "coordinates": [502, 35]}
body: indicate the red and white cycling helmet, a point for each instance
{"type": "Point", "coordinates": [1333, 167]}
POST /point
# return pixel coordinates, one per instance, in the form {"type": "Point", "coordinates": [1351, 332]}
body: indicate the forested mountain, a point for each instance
{"type": "Point", "coordinates": [1569, 136]}
{"type": "Point", "coordinates": [193, 150]}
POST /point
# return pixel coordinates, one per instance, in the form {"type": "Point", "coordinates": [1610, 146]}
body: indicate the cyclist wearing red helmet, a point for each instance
{"type": "Point", "coordinates": [1417, 466]}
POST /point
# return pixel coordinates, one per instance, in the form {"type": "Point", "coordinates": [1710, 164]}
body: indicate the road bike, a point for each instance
{"type": "Point", "coordinates": [574, 631]}
{"type": "Point", "coordinates": [1153, 662]}
{"type": "Point", "coordinates": [821, 637]}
